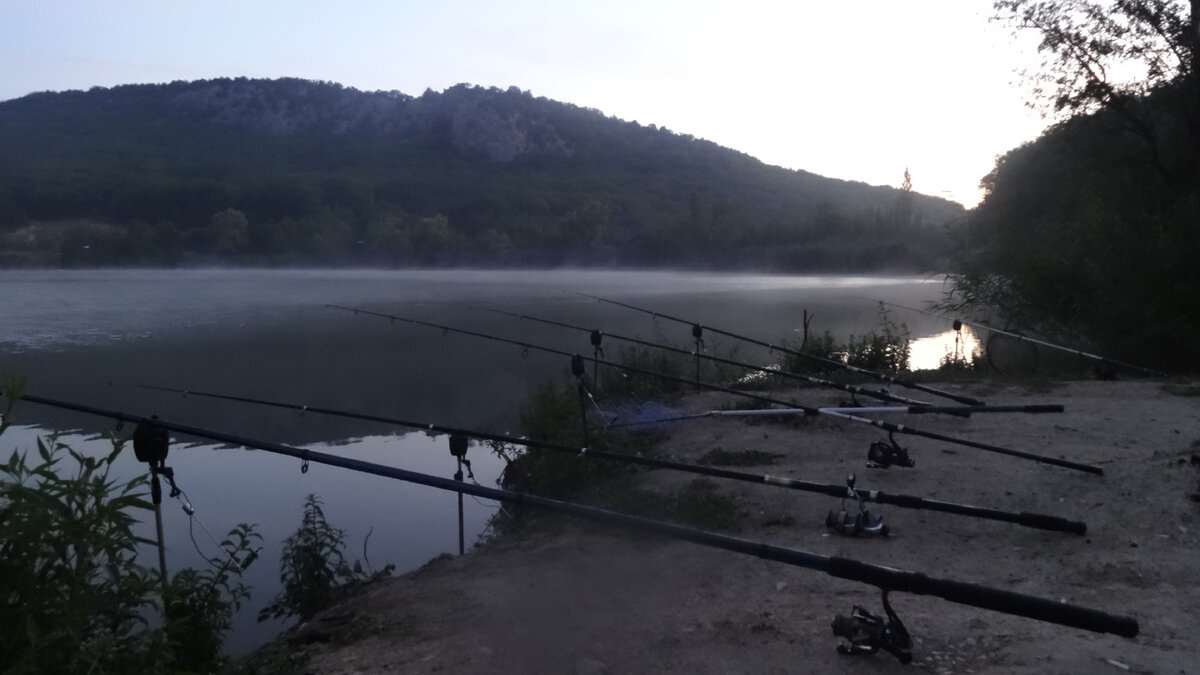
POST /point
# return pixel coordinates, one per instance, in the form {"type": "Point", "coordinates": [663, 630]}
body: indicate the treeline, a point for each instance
{"type": "Point", "coordinates": [291, 172]}
{"type": "Point", "coordinates": [1090, 233]}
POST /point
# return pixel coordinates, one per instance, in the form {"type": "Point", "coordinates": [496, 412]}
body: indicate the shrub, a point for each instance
{"type": "Point", "coordinates": [200, 604]}
{"type": "Point", "coordinates": [822, 346]}
{"type": "Point", "coordinates": [75, 597]}
{"type": "Point", "coordinates": [312, 567]}
{"type": "Point", "coordinates": [885, 350]}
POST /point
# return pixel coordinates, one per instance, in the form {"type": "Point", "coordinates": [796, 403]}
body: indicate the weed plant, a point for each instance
{"type": "Point", "coordinates": [75, 597]}
{"type": "Point", "coordinates": [883, 350]}
{"type": "Point", "coordinates": [553, 413]}
{"type": "Point", "coordinates": [313, 569]}
{"type": "Point", "coordinates": [959, 364]}
{"type": "Point", "coordinates": [722, 457]}
{"type": "Point", "coordinates": [700, 503]}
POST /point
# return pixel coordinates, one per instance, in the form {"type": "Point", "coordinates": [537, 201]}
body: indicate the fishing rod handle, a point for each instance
{"type": "Point", "coordinates": [1062, 613]}
{"type": "Point", "coordinates": [1034, 520]}
{"type": "Point", "coordinates": [1045, 522]}
{"type": "Point", "coordinates": [1032, 409]}
{"type": "Point", "coordinates": [1041, 408]}
{"type": "Point", "coordinates": [901, 429]}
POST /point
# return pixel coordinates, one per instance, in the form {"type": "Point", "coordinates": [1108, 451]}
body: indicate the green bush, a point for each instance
{"type": "Point", "coordinates": [823, 347]}
{"type": "Point", "coordinates": [200, 604]}
{"type": "Point", "coordinates": [882, 351]}
{"type": "Point", "coordinates": [312, 568]}
{"type": "Point", "coordinates": [75, 597]}
{"type": "Point", "coordinates": [885, 349]}
{"type": "Point", "coordinates": [959, 363]}
{"type": "Point", "coordinates": [631, 384]}
{"type": "Point", "coordinates": [552, 414]}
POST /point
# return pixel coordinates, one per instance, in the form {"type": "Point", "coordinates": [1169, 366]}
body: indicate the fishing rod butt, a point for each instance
{"type": "Point", "coordinates": [1044, 522]}
{"type": "Point", "coordinates": [1044, 408]}
{"type": "Point", "coordinates": [1008, 602]}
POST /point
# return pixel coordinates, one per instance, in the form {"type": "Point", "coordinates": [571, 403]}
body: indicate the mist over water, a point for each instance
{"type": "Point", "coordinates": [86, 336]}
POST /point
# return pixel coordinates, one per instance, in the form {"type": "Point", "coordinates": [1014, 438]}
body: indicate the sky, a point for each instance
{"type": "Point", "coordinates": [857, 89]}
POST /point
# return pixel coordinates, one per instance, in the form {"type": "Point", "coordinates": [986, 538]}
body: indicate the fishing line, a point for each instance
{"type": "Point", "coordinates": [191, 512]}
{"type": "Point", "coordinates": [887, 579]}
{"type": "Point", "coordinates": [886, 426]}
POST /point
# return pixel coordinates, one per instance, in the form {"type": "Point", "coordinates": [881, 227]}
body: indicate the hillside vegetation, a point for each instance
{"type": "Point", "coordinates": [241, 171]}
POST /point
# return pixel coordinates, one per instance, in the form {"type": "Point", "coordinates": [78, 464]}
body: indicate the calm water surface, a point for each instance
{"type": "Point", "coordinates": [85, 336]}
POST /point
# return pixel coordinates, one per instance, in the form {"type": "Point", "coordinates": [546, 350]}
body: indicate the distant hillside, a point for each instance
{"type": "Point", "coordinates": [298, 172]}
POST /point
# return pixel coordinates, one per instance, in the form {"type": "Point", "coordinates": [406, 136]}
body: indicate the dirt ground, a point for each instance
{"type": "Point", "coordinates": [576, 598]}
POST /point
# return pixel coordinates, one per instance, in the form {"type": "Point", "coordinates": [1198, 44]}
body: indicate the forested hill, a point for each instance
{"type": "Point", "coordinates": [290, 171]}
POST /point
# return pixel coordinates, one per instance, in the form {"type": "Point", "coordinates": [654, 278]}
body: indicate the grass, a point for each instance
{"type": "Point", "coordinates": [700, 504]}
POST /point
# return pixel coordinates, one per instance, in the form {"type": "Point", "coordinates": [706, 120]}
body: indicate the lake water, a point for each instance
{"type": "Point", "coordinates": [85, 336]}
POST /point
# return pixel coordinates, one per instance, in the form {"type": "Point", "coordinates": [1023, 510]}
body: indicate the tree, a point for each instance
{"type": "Point", "coordinates": [1111, 55]}
{"type": "Point", "coordinates": [903, 214]}
{"type": "Point", "coordinates": [230, 231]}
{"type": "Point", "coordinates": [1087, 234]}
{"type": "Point", "coordinates": [1099, 53]}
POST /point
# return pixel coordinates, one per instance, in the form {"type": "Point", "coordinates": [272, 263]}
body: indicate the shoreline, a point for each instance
{"type": "Point", "coordinates": [577, 598]}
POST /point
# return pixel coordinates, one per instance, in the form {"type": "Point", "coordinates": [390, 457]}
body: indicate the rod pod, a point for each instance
{"type": "Point", "coordinates": [851, 389]}
{"type": "Point", "coordinates": [1034, 520]}
{"type": "Point", "coordinates": [458, 449]}
{"type": "Point", "coordinates": [885, 578]}
{"type": "Point", "coordinates": [151, 444]}
{"type": "Point", "coordinates": [860, 521]}
{"type": "Point", "coordinates": [596, 338]}
{"type": "Point", "coordinates": [886, 426]}
{"type": "Point", "coordinates": [907, 384]}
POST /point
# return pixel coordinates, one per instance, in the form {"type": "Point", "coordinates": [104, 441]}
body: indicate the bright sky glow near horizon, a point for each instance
{"type": "Point", "coordinates": [856, 90]}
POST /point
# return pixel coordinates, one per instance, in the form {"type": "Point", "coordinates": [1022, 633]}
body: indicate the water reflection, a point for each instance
{"type": "Point", "coordinates": [927, 353]}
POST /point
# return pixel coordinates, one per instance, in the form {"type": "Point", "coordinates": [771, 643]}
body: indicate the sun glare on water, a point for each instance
{"type": "Point", "coordinates": [927, 353]}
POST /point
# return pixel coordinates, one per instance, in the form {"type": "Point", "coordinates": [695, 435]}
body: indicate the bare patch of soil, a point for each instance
{"type": "Point", "coordinates": [569, 597]}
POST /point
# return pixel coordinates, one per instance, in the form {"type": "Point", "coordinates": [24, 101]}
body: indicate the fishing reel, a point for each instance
{"type": "Point", "coordinates": [883, 454]}
{"type": "Point", "coordinates": [867, 633]}
{"type": "Point", "coordinates": [855, 523]}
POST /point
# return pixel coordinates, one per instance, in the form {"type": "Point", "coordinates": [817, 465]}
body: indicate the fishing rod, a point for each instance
{"type": "Point", "coordinates": [959, 323]}
{"type": "Point", "coordinates": [1027, 519]}
{"type": "Point", "coordinates": [893, 454]}
{"type": "Point", "coordinates": [866, 632]}
{"type": "Point", "coordinates": [597, 336]}
{"type": "Point", "coordinates": [965, 411]}
{"type": "Point", "coordinates": [696, 327]}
